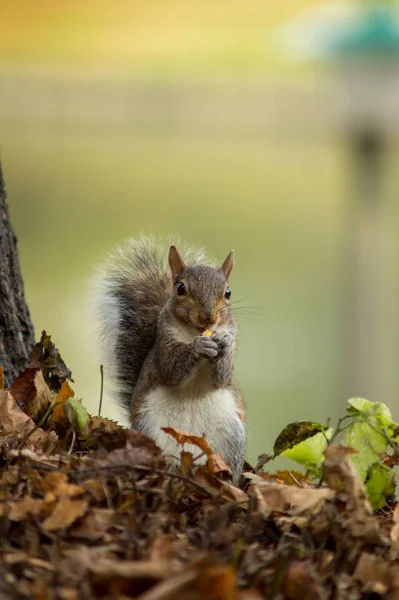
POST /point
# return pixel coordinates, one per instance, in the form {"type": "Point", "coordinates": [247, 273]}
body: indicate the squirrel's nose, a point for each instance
{"type": "Point", "coordinates": [206, 316]}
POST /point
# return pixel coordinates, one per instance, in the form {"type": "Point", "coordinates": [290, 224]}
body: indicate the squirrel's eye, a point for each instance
{"type": "Point", "coordinates": [227, 293]}
{"type": "Point", "coordinates": [181, 289]}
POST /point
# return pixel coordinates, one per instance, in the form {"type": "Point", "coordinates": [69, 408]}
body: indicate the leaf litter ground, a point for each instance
{"type": "Point", "coordinates": [91, 510]}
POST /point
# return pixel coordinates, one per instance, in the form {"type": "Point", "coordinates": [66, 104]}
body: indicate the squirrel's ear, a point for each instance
{"type": "Point", "coordinates": [227, 266]}
{"type": "Point", "coordinates": [176, 263]}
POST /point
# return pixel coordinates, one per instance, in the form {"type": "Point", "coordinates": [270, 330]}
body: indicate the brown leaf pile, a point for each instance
{"type": "Point", "coordinates": [101, 515]}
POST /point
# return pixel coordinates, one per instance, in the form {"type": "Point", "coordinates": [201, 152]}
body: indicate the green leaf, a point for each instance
{"type": "Point", "coordinates": [378, 410]}
{"type": "Point", "coordinates": [369, 443]}
{"type": "Point", "coordinates": [365, 433]}
{"type": "Point", "coordinates": [78, 416]}
{"type": "Point", "coordinates": [310, 451]}
{"type": "Point", "coordinates": [294, 433]}
{"type": "Point", "coordinates": [380, 486]}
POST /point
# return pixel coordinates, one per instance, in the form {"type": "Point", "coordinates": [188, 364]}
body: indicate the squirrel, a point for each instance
{"type": "Point", "coordinates": [153, 311]}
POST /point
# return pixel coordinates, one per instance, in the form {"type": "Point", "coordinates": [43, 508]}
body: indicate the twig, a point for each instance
{"type": "Point", "coordinates": [336, 433]}
{"type": "Point", "coordinates": [73, 442]}
{"type": "Point", "coordinates": [299, 484]}
{"type": "Point", "coordinates": [101, 390]}
{"type": "Point", "coordinates": [338, 429]}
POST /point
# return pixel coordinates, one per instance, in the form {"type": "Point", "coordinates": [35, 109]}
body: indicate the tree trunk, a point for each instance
{"type": "Point", "coordinates": [16, 330]}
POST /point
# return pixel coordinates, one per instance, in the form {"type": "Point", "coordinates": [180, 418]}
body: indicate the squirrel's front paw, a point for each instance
{"type": "Point", "coordinates": [224, 341]}
{"type": "Point", "coordinates": [205, 346]}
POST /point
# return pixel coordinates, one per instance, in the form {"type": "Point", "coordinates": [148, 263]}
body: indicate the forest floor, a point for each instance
{"type": "Point", "coordinates": [91, 510]}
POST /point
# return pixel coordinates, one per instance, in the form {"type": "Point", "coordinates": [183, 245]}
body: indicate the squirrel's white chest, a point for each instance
{"type": "Point", "coordinates": [211, 414]}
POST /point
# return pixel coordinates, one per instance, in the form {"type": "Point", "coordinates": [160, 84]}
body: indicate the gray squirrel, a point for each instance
{"type": "Point", "coordinates": [154, 309]}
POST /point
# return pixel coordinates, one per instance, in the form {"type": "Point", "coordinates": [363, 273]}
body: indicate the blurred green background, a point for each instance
{"type": "Point", "coordinates": [128, 117]}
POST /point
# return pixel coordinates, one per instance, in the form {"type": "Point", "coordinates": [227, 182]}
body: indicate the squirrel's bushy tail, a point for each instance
{"type": "Point", "coordinates": [131, 288]}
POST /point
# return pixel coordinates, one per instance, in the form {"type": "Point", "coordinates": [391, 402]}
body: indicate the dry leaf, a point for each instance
{"type": "Point", "coordinates": [59, 414]}
{"type": "Point", "coordinates": [300, 582]}
{"type": "Point", "coordinates": [162, 549]}
{"type": "Point", "coordinates": [106, 425]}
{"type": "Point", "coordinates": [66, 511]}
{"type": "Point", "coordinates": [107, 434]}
{"type": "Point", "coordinates": [184, 438]}
{"type": "Point", "coordinates": [372, 569]}
{"type": "Point", "coordinates": [287, 499]}
{"type": "Point", "coordinates": [18, 510]}
{"type": "Point", "coordinates": [340, 474]}
{"type": "Point", "coordinates": [23, 388]}
{"type": "Point", "coordinates": [13, 420]}
{"type": "Point", "coordinates": [32, 393]}
{"type": "Point", "coordinates": [220, 488]}
{"type": "Point", "coordinates": [130, 456]}
{"type": "Point", "coordinates": [95, 525]}
{"type": "Point", "coordinates": [95, 488]}
{"type": "Point", "coordinates": [114, 577]}
{"type": "Point", "coordinates": [2, 379]}
{"type": "Point", "coordinates": [108, 568]}
{"type": "Point", "coordinates": [56, 485]}
{"type": "Point", "coordinates": [217, 583]}
{"type": "Point", "coordinates": [46, 356]}
{"type": "Point", "coordinates": [54, 460]}
{"type": "Point", "coordinates": [37, 405]}
{"type": "Point", "coordinates": [215, 463]}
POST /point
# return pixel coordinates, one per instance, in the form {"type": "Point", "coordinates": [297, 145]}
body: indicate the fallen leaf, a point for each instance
{"type": "Point", "coordinates": [54, 460]}
{"type": "Point", "coordinates": [372, 569]}
{"type": "Point", "coordinates": [215, 463]}
{"type": "Point", "coordinates": [95, 525]}
{"type": "Point", "coordinates": [184, 438]}
{"type": "Point", "coordinates": [59, 416]}
{"type": "Point", "coordinates": [106, 425]}
{"type": "Point", "coordinates": [162, 549]}
{"type": "Point", "coordinates": [66, 511]}
{"type": "Point", "coordinates": [220, 488]}
{"type": "Point", "coordinates": [341, 475]}
{"type": "Point", "coordinates": [32, 393]}
{"type": "Point", "coordinates": [18, 510]}
{"type": "Point", "coordinates": [46, 356]}
{"type": "Point", "coordinates": [300, 582]}
{"type": "Point", "coordinates": [130, 456]}
{"type": "Point", "coordinates": [23, 388]}
{"type": "Point", "coordinates": [38, 405]}
{"type": "Point", "coordinates": [132, 578]}
{"type": "Point", "coordinates": [217, 583]}
{"type": "Point", "coordinates": [13, 420]}
{"type": "Point", "coordinates": [107, 434]}
{"type": "Point", "coordinates": [288, 477]}
{"type": "Point", "coordinates": [130, 569]}
{"type": "Point", "coordinates": [289, 500]}
{"type": "Point", "coordinates": [56, 485]}
{"type": "Point", "coordinates": [95, 488]}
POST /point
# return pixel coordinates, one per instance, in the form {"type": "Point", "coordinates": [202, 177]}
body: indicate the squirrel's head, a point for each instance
{"type": "Point", "coordinates": [200, 294]}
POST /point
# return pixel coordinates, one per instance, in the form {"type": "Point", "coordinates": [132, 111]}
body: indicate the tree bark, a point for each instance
{"type": "Point", "coordinates": [17, 336]}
